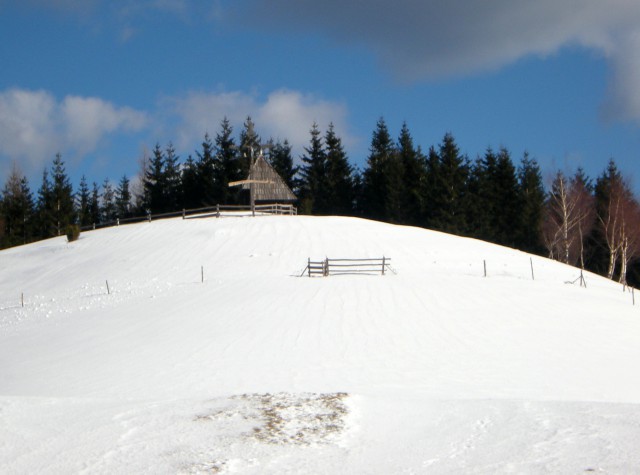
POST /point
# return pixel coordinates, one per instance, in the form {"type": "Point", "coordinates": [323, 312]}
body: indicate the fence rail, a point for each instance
{"type": "Point", "coordinates": [329, 267]}
{"type": "Point", "coordinates": [208, 211]}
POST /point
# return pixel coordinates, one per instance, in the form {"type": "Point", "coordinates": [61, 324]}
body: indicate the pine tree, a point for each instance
{"type": "Point", "coordinates": [414, 169]}
{"type": "Point", "coordinates": [485, 198]}
{"type": "Point", "coordinates": [83, 201]}
{"type": "Point", "coordinates": [17, 209]}
{"type": "Point", "coordinates": [191, 193]}
{"type": "Point", "coordinates": [123, 198]}
{"type": "Point", "coordinates": [430, 189]}
{"type": "Point", "coordinates": [62, 197]}
{"type": "Point", "coordinates": [108, 209]}
{"type": "Point", "coordinates": [282, 162]}
{"type": "Point", "coordinates": [532, 198]}
{"type": "Point", "coordinates": [172, 186]}
{"type": "Point", "coordinates": [339, 180]}
{"type": "Point", "coordinates": [155, 183]}
{"type": "Point", "coordinates": [206, 166]}
{"type": "Point", "coordinates": [313, 175]}
{"type": "Point", "coordinates": [94, 205]}
{"type": "Point", "coordinates": [45, 217]}
{"type": "Point", "coordinates": [227, 164]}
{"type": "Point", "coordinates": [248, 148]}
{"type": "Point", "coordinates": [506, 208]}
{"type": "Point", "coordinates": [377, 182]}
{"type": "Point", "coordinates": [449, 188]}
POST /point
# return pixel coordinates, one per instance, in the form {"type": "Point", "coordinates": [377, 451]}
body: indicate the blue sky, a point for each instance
{"type": "Point", "coordinates": [102, 81]}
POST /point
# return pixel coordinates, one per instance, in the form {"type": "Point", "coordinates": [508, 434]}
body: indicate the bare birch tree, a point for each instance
{"type": "Point", "coordinates": [629, 233]}
{"type": "Point", "coordinates": [569, 217]}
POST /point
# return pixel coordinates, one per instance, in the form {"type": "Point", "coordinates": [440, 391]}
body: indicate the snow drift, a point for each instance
{"type": "Point", "coordinates": [123, 360]}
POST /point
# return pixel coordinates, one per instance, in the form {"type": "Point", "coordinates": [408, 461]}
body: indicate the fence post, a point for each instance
{"type": "Point", "coordinates": [184, 213]}
{"type": "Point", "coordinates": [94, 226]}
{"type": "Point", "coordinates": [383, 259]}
{"type": "Point", "coordinates": [202, 274]}
{"type": "Point", "coordinates": [22, 299]}
{"type": "Point", "coordinates": [218, 210]}
{"type": "Point", "coordinates": [485, 267]}
{"type": "Point", "coordinates": [309, 266]}
{"type": "Point", "coordinates": [531, 261]}
{"type": "Point", "coordinates": [633, 296]}
{"type": "Point", "coordinates": [117, 221]}
{"type": "Point", "coordinates": [108, 291]}
{"type": "Point", "coordinates": [149, 216]}
{"type": "Point", "coordinates": [326, 267]}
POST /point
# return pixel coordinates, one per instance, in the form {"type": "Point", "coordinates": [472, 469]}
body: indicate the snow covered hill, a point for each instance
{"type": "Point", "coordinates": [432, 368]}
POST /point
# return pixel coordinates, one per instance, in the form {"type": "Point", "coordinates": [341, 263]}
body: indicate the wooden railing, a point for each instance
{"type": "Point", "coordinates": [347, 266]}
{"type": "Point", "coordinates": [208, 211]}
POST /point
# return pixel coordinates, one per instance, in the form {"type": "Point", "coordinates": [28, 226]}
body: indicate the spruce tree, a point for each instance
{"type": "Point", "coordinates": [83, 201]}
{"type": "Point", "coordinates": [227, 164]}
{"type": "Point", "coordinates": [532, 196]}
{"type": "Point", "coordinates": [339, 180]}
{"type": "Point", "coordinates": [448, 196]}
{"type": "Point", "coordinates": [108, 209]}
{"type": "Point", "coordinates": [282, 162]}
{"type": "Point", "coordinates": [248, 148]}
{"type": "Point", "coordinates": [123, 198]}
{"type": "Point", "coordinates": [155, 183]}
{"type": "Point", "coordinates": [191, 193]}
{"type": "Point", "coordinates": [414, 170]}
{"type": "Point", "coordinates": [62, 197]}
{"type": "Point", "coordinates": [486, 199]}
{"type": "Point", "coordinates": [17, 209]}
{"type": "Point", "coordinates": [94, 205]}
{"type": "Point", "coordinates": [45, 217]}
{"type": "Point", "coordinates": [206, 166]}
{"type": "Point", "coordinates": [377, 182]}
{"type": "Point", "coordinates": [172, 186]}
{"type": "Point", "coordinates": [506, 207]}
{"type": "Point", "coordinates": [313, 173]}
{"type": "Point", "coordinates": [431, 189]}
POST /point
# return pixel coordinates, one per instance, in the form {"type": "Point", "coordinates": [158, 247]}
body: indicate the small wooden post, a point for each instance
{"type": "Point", "coordinates": [485, 267]}
{"type": "Point", "coordinates": [202, 274]}
{"type": "Point", "coordinates": [94, 226]}
{"type": "Point", "coordinates": [149, 216]}
{"type": "Point", "coordinates": [117, 221]}
{"type": "Point", "coordinates": [217, 210]}
{"type": "Point", "coordinates": [184, 213]}
{"type": "Point", "coordinates": [108, 290]}
{"type": "Point", "coordinates": [383, 263]}
{"type": "Point", "coordinates": [583, 283]}
{"type": "Point", "coordinates": [22, 299]}
{"type": "Point", "coordinates": [326, 267]}
{"type": "Point", "coordinates": [532, 276]}
{"type": "Point", "coordinates": [633, 296]}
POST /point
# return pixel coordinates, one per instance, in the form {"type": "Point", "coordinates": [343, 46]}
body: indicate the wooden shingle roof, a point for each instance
{"type": "Point", "coordinates": [267, 184]}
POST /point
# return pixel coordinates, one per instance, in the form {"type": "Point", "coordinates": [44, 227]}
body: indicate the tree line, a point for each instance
{"type": "Point", "coordinates": [595, 225]}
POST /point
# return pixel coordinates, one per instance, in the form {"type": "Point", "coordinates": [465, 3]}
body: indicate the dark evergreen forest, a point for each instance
{"type": "Point", "coordinates": [590, 223]}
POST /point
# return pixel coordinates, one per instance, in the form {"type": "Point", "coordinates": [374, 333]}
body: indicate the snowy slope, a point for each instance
{"type": "Point", "coordinates": [431, 369]}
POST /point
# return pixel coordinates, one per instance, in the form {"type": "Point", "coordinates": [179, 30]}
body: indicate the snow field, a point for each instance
{"type": "Point", "coordinates": [433, 369]}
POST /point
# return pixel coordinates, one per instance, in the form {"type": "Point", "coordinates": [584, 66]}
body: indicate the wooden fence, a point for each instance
{"type": "Point", "coordinates": [329, 267]}
{"type": "Point", "coordinates": [209, 211]}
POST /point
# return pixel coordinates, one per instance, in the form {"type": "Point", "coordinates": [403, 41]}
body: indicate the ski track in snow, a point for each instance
{"type": "Point", "coordinates": [438, 369]}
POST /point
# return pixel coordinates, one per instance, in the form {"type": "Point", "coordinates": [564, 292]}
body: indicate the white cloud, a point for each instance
{"type": "Point", "coordinates": [420, 40]}
{"type": "Point", "coordinates": [87, 119]}
{"type": "Point", "coordinates": [34, 125]}
{"type": "Point", "coordinates": [284, 114]}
